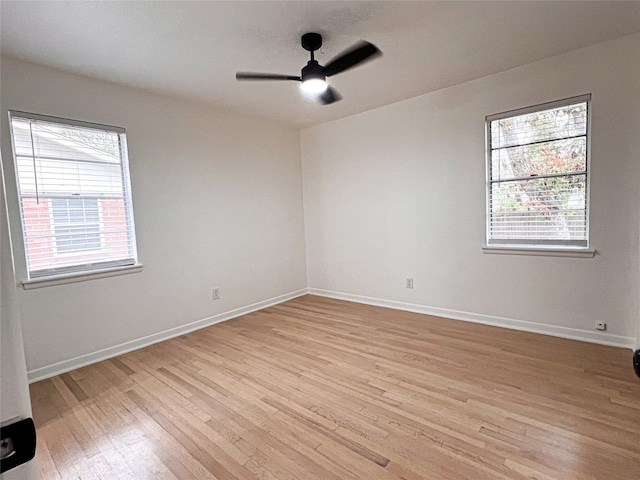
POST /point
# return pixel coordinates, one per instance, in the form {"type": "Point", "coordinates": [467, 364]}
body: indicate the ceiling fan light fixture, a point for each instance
{"type": "Point", "coordinates": [313, 79]}
{"type": "Point", "coordinates": [314, 86]}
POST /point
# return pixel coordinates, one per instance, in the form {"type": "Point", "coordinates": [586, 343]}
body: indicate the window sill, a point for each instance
{"type": "Point", "coordinates": [80, 277]}
{"type": "Point", "coordinates": [541, 251]}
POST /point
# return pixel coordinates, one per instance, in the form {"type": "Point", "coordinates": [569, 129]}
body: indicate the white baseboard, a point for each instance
{"type": "Point", "coordinates": [544, 329]}
{"type": "Point", "coordinates": [110, 352]}
{"type": "Point", "coordinates": [104, 354]}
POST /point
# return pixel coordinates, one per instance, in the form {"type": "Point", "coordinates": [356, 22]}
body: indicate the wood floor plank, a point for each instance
{"type": "Point", "coordinates": [317, 388]}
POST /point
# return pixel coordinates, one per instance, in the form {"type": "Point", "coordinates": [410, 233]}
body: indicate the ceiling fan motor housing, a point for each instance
{"type": "Point", "coordinates": [312, 70]}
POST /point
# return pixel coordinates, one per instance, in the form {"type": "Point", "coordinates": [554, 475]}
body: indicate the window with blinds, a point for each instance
{"type": "Point", "coordinates": [537, 181]}
{"type": "Point", "coordinates": [74, 194]}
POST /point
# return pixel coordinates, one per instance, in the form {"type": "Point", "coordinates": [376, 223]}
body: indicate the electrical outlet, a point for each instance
{"type": "Point", "coordinates": [409, 282]}
{"type": "Point", "coordinates": [601, 326]}
{"type": "Point", "coordinates": [215, 294]}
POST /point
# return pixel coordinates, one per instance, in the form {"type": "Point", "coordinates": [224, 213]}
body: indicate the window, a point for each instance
{"type": "Point", "coordinates": [537, 180]}
{"type": "Point", "coordinates": [74, 196]}
{"type": "Point", "coordinates": [76, 223]}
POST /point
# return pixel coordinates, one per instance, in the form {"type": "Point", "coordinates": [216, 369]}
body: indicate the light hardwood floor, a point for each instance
{"type": "Point", "coordinates": [316, 388]}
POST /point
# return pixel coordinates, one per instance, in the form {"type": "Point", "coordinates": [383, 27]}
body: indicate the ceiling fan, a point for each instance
{"type": "Point", "coordinates": [313, 76]}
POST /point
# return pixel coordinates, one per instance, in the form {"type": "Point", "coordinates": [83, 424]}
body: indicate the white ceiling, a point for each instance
{"type": "Point", "coordinates": [193, 49]}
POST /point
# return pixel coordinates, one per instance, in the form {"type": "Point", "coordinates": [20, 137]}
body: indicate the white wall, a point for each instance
{"type": "Point", "coordinates": [400, 192]}
{"type": "Point", "coordinates": [15, 403]}
{"type": "Point", "coordinates": [217, 202]}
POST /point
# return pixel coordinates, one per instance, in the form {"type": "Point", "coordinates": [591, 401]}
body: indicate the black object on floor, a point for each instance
{"type": "Point", "coordinates": [636, 362]}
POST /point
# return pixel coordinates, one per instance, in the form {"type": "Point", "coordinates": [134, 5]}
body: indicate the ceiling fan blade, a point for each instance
{"type": "Point", "coordinates": [264, 76]}
{"type": "Point", "coordinates": [357, 54]}
{"type": "Point", "coordinates": [329, 96]}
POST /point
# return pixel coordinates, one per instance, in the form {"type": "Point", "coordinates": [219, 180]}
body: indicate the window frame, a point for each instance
{"type": "Point", "coordinates": [90, 270]}
{"type": "Point", "coordinates": [539, 246]}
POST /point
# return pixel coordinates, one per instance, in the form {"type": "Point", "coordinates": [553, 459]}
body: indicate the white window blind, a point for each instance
{"type": "Point", "coordinates": [75, 195]}
{"type": "Point", "coordinates": [537, 188]}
